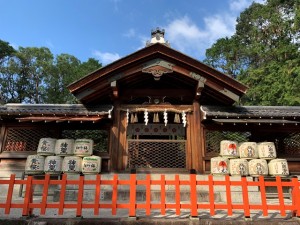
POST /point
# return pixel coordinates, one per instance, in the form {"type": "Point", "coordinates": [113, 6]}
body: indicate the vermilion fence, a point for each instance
{"type": "Point", "coordinates": [194, 205]}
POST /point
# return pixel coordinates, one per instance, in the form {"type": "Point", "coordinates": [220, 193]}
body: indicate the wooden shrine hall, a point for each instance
{"type": "Point", "coordinates": [155, 110]}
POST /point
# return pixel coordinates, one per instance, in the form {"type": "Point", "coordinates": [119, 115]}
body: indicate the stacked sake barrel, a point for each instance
{"type": "Point", "coordinates": [248, 158]}
{"type": "Point", "coordinates": [55, 156]}
{"type": "Point", "coordinates": [228, 151]}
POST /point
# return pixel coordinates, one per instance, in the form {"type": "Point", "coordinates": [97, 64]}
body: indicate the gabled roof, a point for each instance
{"type": "Point", "coordinates": [54, 112]}
{"type": "Point", "coordinates": [251, 114]}
{"type": "Point", "coordinates": [176, 69]}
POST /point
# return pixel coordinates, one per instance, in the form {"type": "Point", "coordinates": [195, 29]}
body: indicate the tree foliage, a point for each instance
{"type": "Point", "coordinates": [264, 53]}
{"type": "Point", "coordinates": [34, 75]}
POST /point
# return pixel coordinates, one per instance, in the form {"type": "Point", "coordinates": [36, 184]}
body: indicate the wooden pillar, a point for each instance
{"type": "Point", "coordinates": [189, 132]}
{"type": "Point", "coordinates": [122, 156]}
{"type": "Point", "coordinates": [114, 138]}
{"type": "Point", "coordinates": [118, 139]}
{"type": "Point", "coordinates": [196, 139]}
{"type": "Point", "coordinates": [2, 138]}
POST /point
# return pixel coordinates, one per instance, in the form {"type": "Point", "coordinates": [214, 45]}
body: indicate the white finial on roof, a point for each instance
{"type": "Point", "coordinates": [158, 36]}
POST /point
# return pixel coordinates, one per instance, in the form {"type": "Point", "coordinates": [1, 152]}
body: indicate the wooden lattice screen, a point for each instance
{"type": "Point", "coordinates": [24, 139]}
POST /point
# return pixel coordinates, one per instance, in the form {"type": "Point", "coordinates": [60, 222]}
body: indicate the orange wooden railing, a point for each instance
{"type": "Point", "coordinates": [194, 205]}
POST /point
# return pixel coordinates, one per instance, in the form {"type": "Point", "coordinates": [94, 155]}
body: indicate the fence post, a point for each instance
{"type": "Point", "coordinates": [28, 197]}
{"type": "Point", "coordinates": [263, 195]}
{"type": "Point", "coordinates": [280, 196]}
{"type": "Point", "coordinates": [177, 194]}
{"type": "Point", "coordinates": [163, 194]}
{"type": "Point", "coordinates": [148, 195]}
{"type": "Point", "coordinates": [97, 194]}
{"type": "Point", "coordinates": [245, 197]}
{"type": "Point", "coordinates": [296, 197]}
{"type": "Point", "coordinates": [132, 195]}
{"type": "Point", "coordinates": [45, 194]}
{"type": "Point", "coordinates": [114, 195]}
{"type": "Point", "coordinates": [10, 193]}
{"type": "Point", "coordinates": [193, 195]}
{"type": "Point", "coordinates": [211, 195]}
{"type": "Point", "coordinates": [62, 194]}
{"type": "Point", "coordinates": [80, 196]}
{"type": "Point", "coordinates": [228, 195]}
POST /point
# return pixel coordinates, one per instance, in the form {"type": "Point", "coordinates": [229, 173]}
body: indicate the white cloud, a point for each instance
{"type": "Point", "coordinates": [49, 44]}
{"type": "Point", "coordinates": [106, 57]}
{"type": "Point", "coordinates": [130, 33]}
{"type": "Point", "coordinates": [186, 36]}
{"type": "Point", "coordinates": [192, 38]}
{"type": "Point", "coordinates": [240, 5]}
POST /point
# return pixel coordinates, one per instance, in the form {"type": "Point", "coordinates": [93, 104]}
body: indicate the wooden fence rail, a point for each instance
{"type": "Point", "coordinates": [194, 205]}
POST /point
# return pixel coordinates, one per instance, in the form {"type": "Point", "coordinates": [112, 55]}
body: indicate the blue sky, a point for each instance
{"type": "Point", "coordinates": [110, 29]}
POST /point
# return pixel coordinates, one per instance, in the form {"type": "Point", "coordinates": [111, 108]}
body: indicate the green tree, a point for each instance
{"type": "Point", "coordinates": [264, 53]}
{"type": "Point", "coordinates": [67, 69]}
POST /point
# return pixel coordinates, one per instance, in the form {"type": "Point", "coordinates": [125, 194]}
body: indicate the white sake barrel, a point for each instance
{"type": "Point", "coordinates": [248, 150]}
{"type": "Point", "coordinates": [91, 164]}
{"type": "Point", "coordinates": [266, 150]}
{"type": "Point", "coordinates": [72, 164]}
{"type": "Point", "coordinates": [46, 146]}
{"type": "Point", "coordinates": [53, 164]}
{"type": "Point", "coordinates": [258, 167]}
{"type": "Point", "coordinates": [239, 167]}
{"type": "Point", "coordinates": [35, 164]}
{"type": "Point", "coordinates": [219, 166]}
{"type": "Point", "coordinates": [229, 149]}
{"type": "Point", "coordinates": [278, 167]}
{"type": "Point", "coordinates": [64, 147]}
{"type": "Point", "coordinates": [83, 147]}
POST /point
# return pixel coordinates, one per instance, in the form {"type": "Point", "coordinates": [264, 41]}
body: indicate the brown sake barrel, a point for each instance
{"type": "Point", "coordinates": [228, 149]}
{"type": "Point", "coordinates": [53, 164]}
{"type": "Point", "coordinates": [219, 166]}
{"type": "Point", "coordinates": [35, 164]}
{"type": "Point", "coordinates": [64, 147]}
{"type": "Point", "coordinates": [258, 167]}
{"type": "Point", "coordinates": [91, 164]}
{"type": "Point", "coordinates": [46, 146]}
{"type": "Point", "coordinates": [72, 164]}
{"type": "Point", "coordinates": [266, 150]}
{"type": "Point", "coordinates": [239, 167]}
{"type": "Point", "coordinates": [278, 167]}
{"type": "Point", "coordinates": [248, 150]}
{"type": "Point", "coordinates": [83, 147]}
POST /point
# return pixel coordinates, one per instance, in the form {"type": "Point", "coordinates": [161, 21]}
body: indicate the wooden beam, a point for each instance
{"type": "Point", "coordinates": [170, 92]}
{"type": "Point", "coordinates": [114, 88]}
{"type": "Point", "coordinates": [59, 119]}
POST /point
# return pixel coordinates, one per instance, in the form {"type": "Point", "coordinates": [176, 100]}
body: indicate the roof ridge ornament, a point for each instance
{"type": "Point", "coordinates": [157, 68]}
{"type": "Point", "coordinates": [157, 36]}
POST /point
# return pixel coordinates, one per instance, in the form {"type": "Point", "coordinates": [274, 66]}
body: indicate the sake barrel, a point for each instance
{"type": "Point", "coordinates": [248, 150]}
{"type": "Point", "coordinates": [72, 164]}
{"type": "Point", "coordinates": [238, 167]}
{"type": "Point", "coordinates": [219, 166]}
{"type": "Point", "coordinates": [91, 164]}
{"type": "Point", "coordinates": [83, 147]}
{"type": "Point", "coordinates": [53, 164]}
{"type": "Point", "coordinates": [228, 149]}
{"type": "Point", "coordinates": [266, 150]}
{"type": "Point", "coordinates": [278, 167]}
{"type": "Point", "coordinates": [64, 147]}
{"type": "Point", "coordinates": [35, 164]}
{"type": "Point", "coordinates": [258, 167]}
{"type": "Point", "coordinates": [46, 146]}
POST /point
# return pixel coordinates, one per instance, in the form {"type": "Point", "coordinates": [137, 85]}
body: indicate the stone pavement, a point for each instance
{"type": "Point", "coordinates": [105, 217]}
